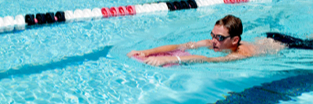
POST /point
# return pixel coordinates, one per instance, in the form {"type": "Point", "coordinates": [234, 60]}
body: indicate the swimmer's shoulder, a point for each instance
{"type": "Point", "coordinates": [245, 43]}
{"type": "Point", "coordinates": [247, 49]}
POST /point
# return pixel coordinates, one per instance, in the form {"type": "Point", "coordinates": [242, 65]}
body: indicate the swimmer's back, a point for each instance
{"type": "Point", "coordinates": [290, 41]}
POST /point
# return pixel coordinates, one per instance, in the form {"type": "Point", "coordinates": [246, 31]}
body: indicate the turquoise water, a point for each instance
{"type": "Point", "coordinates": [85, 62]}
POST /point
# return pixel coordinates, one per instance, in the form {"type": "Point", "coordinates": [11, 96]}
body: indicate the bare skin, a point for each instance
{"type": "Point", "coordinates": [244, 50]}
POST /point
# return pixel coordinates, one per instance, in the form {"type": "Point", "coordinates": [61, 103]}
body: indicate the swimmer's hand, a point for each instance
{"type": "Point", "coordinates": [159, 61]}
{"type": "Point", "coordinates": [137, 53]}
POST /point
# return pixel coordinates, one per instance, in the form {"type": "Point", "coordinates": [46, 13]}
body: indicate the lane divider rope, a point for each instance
{"type": "Point", "coordinates": [22, 22]}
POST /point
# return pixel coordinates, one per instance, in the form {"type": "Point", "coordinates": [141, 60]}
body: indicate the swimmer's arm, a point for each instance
{"type": "Point", "coordinates": [201, 59]}
{"type": "Point", "coordinates": [195, 45]}
{"type": "Point", "coordinates": [160, 49]}
{"type": "Point", "coordinates": [157, 61]}
{"type": "Point", "coordinates": [204, 43]}
{"type": "Point", "coordinates": [167, 48]}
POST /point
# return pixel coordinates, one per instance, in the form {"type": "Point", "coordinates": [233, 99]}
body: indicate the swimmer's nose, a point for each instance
{"type": "Point", "coordinates": [214, 44]}
{"type": "Point", "coordinates": [214, 41]}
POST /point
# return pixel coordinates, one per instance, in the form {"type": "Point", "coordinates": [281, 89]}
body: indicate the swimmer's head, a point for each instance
{"type": "Point", "coordinates": [226, 33]}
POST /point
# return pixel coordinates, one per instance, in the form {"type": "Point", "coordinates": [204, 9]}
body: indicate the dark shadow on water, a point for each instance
{"type": "Point", "coordinates": [273, 92]}
{"type": "Point", "coordinates": [67, 61]}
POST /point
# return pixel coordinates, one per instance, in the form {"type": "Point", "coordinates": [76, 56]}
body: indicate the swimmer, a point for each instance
{"type": "Point", "coordinates": [226, 37]}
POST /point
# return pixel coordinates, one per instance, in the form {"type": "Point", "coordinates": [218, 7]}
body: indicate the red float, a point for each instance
{"type": "Point", "coordinates": [245, 0]}
{"type": "Point", "coordinates": [226, 1]}
{"type": "Point", "coordinates": [106, 12]}
{"type": "Point", "coordinates": [114, 11]}
{"type": "Point", "coordinates": [232, 1]}
{"type": "Point", "coordinates": [131, 9]}
{"type": "Point", "coordinates": [122, 10]}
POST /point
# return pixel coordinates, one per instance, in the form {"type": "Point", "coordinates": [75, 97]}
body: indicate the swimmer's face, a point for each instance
{"type": "Point", "coordinates": [221, 39]}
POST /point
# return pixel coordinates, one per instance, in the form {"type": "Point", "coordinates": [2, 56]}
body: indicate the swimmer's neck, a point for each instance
{"type": "Point", "coordinates": [235, 48]}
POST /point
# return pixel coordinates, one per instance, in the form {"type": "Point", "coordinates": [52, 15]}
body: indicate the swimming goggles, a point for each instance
{"type": "Point", "coordinates": [219, 37]}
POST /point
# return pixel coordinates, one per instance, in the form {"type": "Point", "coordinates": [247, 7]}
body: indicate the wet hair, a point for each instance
{"type": "Point", "coordinates": [233, 24]}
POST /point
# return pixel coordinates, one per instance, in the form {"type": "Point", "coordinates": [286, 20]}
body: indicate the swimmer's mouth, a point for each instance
{"type": "Point", "coordinates": [214, 47]}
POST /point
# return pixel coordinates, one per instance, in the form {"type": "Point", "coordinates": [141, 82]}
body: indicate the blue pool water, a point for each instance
{"type": "Point", "coordinates": [85, 62]}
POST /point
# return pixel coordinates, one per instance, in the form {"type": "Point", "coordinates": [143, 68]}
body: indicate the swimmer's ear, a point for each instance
{"type": "Point", "coordinates": [235, 40]}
